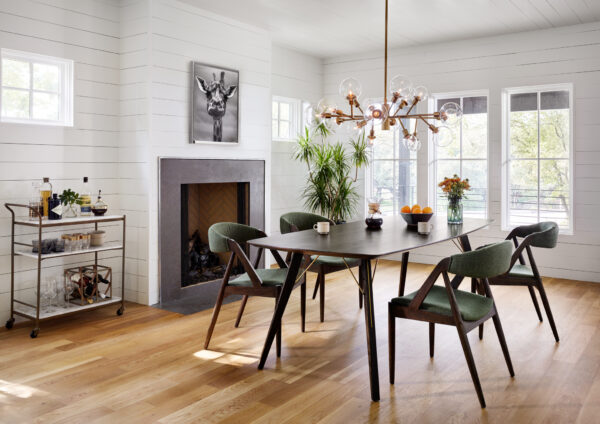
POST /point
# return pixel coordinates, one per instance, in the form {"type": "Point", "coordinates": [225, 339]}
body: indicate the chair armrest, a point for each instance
{"type": "Point", "coordinates": [278, 258]}
{"type": "Point", "coordinates": [235, 248]}
{"type": "Point", "coordinates": [442, 266]}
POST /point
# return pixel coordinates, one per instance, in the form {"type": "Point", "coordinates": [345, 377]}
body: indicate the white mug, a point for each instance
{"type": "Point", "coordinates": [322, 227]}
{"type": "Point", "coordinates": [424, 227]}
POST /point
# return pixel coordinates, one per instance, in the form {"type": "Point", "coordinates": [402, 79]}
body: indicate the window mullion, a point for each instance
{"type": "Point", "coordinates": [538, 155]}
{"type": "Point", "coordinates": [30, 90]}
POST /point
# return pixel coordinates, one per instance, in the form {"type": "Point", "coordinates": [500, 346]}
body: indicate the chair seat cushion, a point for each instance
{"type": "Point", "coordinates": [335, 261]}
{"type": "Point", "coordinates": [519, 270]}
{"type": "Point", "coordinates": [269, 277]}
{"type": "Point", "coordinates": [472, 306]}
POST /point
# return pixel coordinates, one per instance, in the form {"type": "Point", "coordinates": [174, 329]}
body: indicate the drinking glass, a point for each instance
{"type": "Point", "coordinates": [69, 289]}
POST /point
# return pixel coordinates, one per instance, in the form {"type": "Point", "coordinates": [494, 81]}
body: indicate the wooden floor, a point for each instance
{"type": "Point", "coordinates": [149, 366]}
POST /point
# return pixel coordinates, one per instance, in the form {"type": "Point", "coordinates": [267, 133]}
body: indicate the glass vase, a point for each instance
{"type": "Point", "coordinates": [70, 210]}
{"type": "Point", "coordinates": [455, 210]}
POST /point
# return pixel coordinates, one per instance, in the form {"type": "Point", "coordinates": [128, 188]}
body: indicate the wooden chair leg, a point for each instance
{"type": "Point", "coordinates": [496, 320]}
{"type": "Point", "coordinates": [241, 311]}
{"type": "Point", "coordinates": [546, 304]}
{"type": "Point", "coordinates": [431, 338]}
{"type": "Point", "coordinates": [317, 283]}
{"type": "Point", "coordinates": [535, 303]}
{"type": "Point", "coordinates": [215, 314]}
{"type": "Point", "coordinates": [403, 270]}
{"type": "Point", "coordinates": [303, 303]}
{"type": "Point", "coordinates": [464, 341]}
{"type": "Point", "coordinates": [391, 342]}
{"type": "Point", "coordinates": [322, 297]}
{"type": "Point", "coordinates": [476, 287]}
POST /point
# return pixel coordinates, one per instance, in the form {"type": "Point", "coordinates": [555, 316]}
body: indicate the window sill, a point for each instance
{"type": "Point", "coordinates": [36, 122]}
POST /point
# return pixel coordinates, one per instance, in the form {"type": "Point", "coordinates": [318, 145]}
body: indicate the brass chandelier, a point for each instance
{"type": "Point", "coordinates": [394, 115]}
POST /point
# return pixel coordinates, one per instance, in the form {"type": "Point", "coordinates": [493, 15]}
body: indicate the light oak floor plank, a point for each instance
{"type": "Point", "coordinates": [149, 366]}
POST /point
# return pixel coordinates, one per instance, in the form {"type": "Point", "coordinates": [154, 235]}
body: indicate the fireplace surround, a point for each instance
{"type": "Point", "coordinates": [175, 175]}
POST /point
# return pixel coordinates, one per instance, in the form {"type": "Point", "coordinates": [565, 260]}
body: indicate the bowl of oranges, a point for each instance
{"type": "Point", "coordinates": [414, 215]}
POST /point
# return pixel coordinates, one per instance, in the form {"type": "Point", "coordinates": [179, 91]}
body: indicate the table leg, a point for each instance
{"type": "Point", "coordinates": [403, 269]}
{"type": "Point", "coordinates": [366, 283]}
{"type": "Point", "coordinates": [466, 246]}
{"type": "Point", "coordinates": [286, 290]}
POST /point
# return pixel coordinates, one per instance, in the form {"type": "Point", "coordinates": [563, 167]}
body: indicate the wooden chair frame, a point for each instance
{"type": "Point", "coordinates": [322, 270]}
{"type": "Point", "coordinates": [257, 288]}
{"type": "Point", "coordinates": [413, 311]}
{"type": "Point", "coordinates": [529, 282]}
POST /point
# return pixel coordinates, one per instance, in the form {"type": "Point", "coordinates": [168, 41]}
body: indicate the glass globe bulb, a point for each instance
{"type": "Point", "coordinates": [412, 143]}
{"type": "Point", "coordinates": [420, 92]}
{"type": "Point", "coordinates": [450, 114]}
{"type": "Point", "coordinates": [444, 136]}
{"type": "Point", "coordinates": [401, 86]}
{"type": "Point", "coordinates": [350, 88]}
{"type": "Point", "coordinates": [373, 111]}
{"type": "Point", "coordinates": [325, 105]}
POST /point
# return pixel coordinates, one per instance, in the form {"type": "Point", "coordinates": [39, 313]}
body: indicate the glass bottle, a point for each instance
{"type": "Point", "coordinates": [86, 199]}
{"type": "Point", "coordinates": [35, 202]}
{"type": "Point", "coordinates": [45, 194]}
{"type": "Point", "coordinates": [100, 207]}
{"type": "Point", "coordinates": [54, 209]}
{"type": "Point", "coordinates": [455, 210]}
{"type": "Point", "coordinates": [374, 219]}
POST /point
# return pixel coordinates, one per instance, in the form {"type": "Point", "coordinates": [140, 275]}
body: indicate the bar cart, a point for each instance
{"type": "Point", "coordinates": [34, 312]}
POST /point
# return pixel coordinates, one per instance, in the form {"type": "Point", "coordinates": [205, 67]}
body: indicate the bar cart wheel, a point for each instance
{"type": "Point", "coordinates": [120, 311]}
{"type": "Point", "coordinates": [34, 333]}
{"type": "Point", "coordinates": [9, 324]}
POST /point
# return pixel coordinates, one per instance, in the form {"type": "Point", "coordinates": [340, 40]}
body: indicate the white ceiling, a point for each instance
{"type": "Point", "coordinates": [328, 28]}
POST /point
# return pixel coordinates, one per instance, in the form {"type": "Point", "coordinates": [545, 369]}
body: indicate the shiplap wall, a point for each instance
{"type": "Point", "coordinates": [86, 31]}
{"type": "Point", "coordinates": [298, 76]}
{"type": "Point", "coordinates": [180, 34]}
{"type": "Point", "coordinates": [560, 55]}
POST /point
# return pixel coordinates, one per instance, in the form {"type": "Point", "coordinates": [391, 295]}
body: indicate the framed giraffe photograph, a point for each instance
{"type": "Point", "coordinates": [215, 104]}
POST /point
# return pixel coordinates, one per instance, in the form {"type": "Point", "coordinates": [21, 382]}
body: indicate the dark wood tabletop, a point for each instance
{"type": "Point", "coordinates": [354, 240]}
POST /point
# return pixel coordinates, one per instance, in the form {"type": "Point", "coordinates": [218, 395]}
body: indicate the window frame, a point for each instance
{"type": "Point", "coordinates": [369, 170]}
{"type": "Point", "coordinates": [538, 89]}
{"type": "Point", "coordinates": [296, 111]}
{"type": "Point", "coordinates": [432, 159]}
{"type": "Point", "coordinates": [65, 93]}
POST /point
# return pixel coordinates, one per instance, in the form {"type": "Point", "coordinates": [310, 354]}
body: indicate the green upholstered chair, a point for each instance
{"type": "Point", "coordinates": [230, 237]}
{"type": "Point", "coordinates": [323, 265]}
{"type": "Point", "coordinates": [544, 235]}
{"type": "Point", "coordinates": [449, 306]}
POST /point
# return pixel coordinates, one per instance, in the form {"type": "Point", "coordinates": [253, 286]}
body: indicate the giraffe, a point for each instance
{"type": "Point", "coordinates": [216, 100]}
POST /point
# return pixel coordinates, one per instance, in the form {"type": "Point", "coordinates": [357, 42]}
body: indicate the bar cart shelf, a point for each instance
{"type": "Point", "coordinates": [34, 312]}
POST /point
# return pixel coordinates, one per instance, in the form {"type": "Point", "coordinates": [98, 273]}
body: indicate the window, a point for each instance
{"type": "Point", "coordinates": [36, 89]}
{"type": "Point", "coordinates": [392, 175]}
{"type": "Point", "coordinates": [537, 171]}
{"type": "Point", "coordinates": [286, 119]}
{"type": "Point", "coordinates": [465, 154]}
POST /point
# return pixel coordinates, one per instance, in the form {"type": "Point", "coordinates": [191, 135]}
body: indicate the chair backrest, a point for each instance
{"type": "Point", "coordinates": [542, 234]}
{"type": "Point", "coordinates": [301, 220]}
{"type": "Point", "coordinates": [219, 233]}
{"type": "Point", "coordinates": [487, 262]}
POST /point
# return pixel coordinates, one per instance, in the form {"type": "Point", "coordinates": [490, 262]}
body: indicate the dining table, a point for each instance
{"type": "Point", "coordinates": [354, 240]}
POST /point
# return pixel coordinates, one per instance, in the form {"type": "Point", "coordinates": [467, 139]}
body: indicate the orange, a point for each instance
{"type": "Point", "coordinates": [405, 209]}
{"type": "Point", "coordinates": [416, 208]}
{"type": "Point", "coordinates": [427, 209]}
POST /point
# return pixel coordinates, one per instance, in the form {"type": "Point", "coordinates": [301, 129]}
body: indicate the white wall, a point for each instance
{"type": "Point", "coordinates": [298, 76]}
{"type": "Point", "coordinates": [567, 54]}
{"type": "Point", "coordinates": [86, 31]}
{"type": "Point", "coordinates": [180, 34]}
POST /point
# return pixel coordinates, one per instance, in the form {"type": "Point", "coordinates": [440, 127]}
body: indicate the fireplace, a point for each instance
{"type": "Point", "coordinates": [201, 206]}
{"type": "Point", "coordinates": [194, 194]}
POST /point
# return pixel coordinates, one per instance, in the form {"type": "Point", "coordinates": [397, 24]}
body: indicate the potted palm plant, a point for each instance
{"type": "Point", "coordinates": [332, 171]}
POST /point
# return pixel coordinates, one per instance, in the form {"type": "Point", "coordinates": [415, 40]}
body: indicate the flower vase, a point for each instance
{"type": "Point", "coordinates": [70, 211]}
{"type": "Point", "coordinates": [455, 210]}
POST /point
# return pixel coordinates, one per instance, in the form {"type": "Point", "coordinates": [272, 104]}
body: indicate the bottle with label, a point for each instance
{"type": "Point", "coordinates": [54, 207]}
{"type": "Point", "coordinates": [86, 198]}
{"type": "Point", "coordinates": [45, 194]}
